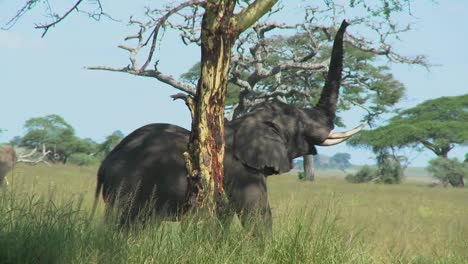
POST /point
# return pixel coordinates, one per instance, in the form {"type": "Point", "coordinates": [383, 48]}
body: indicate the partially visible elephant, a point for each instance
{"type": "Point", "coordinates": [7, 161]}
{"type": "Point", "coordinates": [263, 142]}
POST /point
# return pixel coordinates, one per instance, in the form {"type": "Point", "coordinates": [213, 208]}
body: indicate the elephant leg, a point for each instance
{"type": "Point", "coordinates": [225, 216]}
{"type": "Point", "coordinates": [257, 220]}
{"type": "Point", "coordinates": [253, 208]}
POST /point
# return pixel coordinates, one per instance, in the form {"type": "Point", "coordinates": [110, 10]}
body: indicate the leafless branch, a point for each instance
{"type": "Point", "coordinates": [266, 95]}
{"type": "Point", "coordinates": [23, 10]}
{"type": "Point", "coordinates": [56, 18]}
{"type": "Point", "coordinates": [386, 50]}
{"type": "Point", "coordinates": [167, 79]}
{"type": "Point", "coordinates": [161, 22]}
{"type": "Point", "coordinates": [134, 69]}
{"type": "Point", "coordinates": [46, 27]}
{"type": "Point", "coordinates": [28, 155]}
{"type": "Point", "coordinates": [42, 158]}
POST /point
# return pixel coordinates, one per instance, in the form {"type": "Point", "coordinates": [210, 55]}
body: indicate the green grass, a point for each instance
{"type": "Point", "coordinates": [44, 219]}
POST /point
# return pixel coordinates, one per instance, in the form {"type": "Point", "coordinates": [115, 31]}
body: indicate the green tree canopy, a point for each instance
{"type": "Point", "coordinates": [49, 130]}
{"type": "Point", "coordinates": [438, 125]}
{"type": "Point", "coordinates": [364, 83]}
{"type": "Point", "coordinates": [110, 142]}
{"type": "Point", "coordinates": [341, 160]}
{"type": "Point", "coordinates": [57, 136]}
{"type": "Point", "coordinates": [448, 170]}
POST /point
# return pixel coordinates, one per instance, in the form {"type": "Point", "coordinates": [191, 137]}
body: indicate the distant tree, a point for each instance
{"type": "Point", "coordinates": [437, 125]}
{"type": "Point", "coordinates": [448, 170]}
{"type": "Point", "coordinates": [389, 168]}
{"type": "Point", "coordinates": [341, 161]}
{"type": "Point", "coordinates": [53, 132]}
{"type": "Point", "coordinates": [111, 141]}
{"type": "Point", "coordinates": [15, 141]}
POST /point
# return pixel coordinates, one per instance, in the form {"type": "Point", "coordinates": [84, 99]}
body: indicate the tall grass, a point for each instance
{"type": "Point", "coordinates": [44, 218]}
{"type": "Point", "coordinates": [35, 230]}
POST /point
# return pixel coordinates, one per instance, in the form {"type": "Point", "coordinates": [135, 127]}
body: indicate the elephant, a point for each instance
{"type": "Point", "coordinates": [148, 165]}
{"type": "Point", "coordinates": [7, 161]}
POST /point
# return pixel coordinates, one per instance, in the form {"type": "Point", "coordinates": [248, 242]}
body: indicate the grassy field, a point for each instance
{"type": "Point", "coordinates": [44, 219]}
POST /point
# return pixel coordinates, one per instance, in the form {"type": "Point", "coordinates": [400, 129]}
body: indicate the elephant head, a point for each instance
{"type": "Point", "coordinates": [273, 134]}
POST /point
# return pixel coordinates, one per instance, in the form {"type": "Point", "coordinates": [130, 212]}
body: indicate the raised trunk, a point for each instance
{"type": "Point", "coordinates": [329, 97]}
{"type": "Point", "coordinates": [309, 171]}
{"type": "Point", "coordinates": [206, 147]}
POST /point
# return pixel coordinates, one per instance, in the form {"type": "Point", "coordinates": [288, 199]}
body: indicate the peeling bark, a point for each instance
{"type": "Point", "coordinates": [206, 148]}
{"type": "Point", "coordinates": [205, 155]}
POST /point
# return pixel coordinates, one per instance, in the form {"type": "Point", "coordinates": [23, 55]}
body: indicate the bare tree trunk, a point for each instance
{"type": "Point", "coordinates": [205, 156]}
{"type": "Point", "coordinates": [309, 171]}
{"type": "Point", "coordinates": [205, 160]}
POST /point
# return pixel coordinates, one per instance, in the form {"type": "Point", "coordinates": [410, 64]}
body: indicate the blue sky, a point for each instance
{"type": "Point", "coordinates": [46, 76]}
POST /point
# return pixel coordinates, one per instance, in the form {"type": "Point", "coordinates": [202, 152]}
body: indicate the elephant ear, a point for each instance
{"type": "Point", "coordinates": [260, 145]}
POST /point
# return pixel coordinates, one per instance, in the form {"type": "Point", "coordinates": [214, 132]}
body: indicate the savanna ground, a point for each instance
{"type": "Point", "coordinates": [44, 218]}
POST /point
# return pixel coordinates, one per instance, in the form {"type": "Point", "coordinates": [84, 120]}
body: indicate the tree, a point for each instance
{"type": "Point", "coordinates": [341, 160]}
{"type": "Point", "coordinates": [110, 142]}
{"type": "Point", "coordinates": [437, 125]}
{"type": "Point", "coordinates": [15, 141]}
{"type": "Point", "coordinates": [291, 69]}
{"type": "Point", "coordinates": [221, 24]}
{"type": "Point", "coordinates": [220, 27]}
{"type": "Point", "coordinates": [51, 131]}
{"type": "Point", "coordinates": [55, 134]}
{"type": "Point", "coordinates": [448, 170]}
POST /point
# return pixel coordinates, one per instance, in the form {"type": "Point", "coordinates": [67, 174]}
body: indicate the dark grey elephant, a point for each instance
{"type": "Point", "coordinates": [7, 161]}
{"type": "Point", "coordinates": [148, 164]}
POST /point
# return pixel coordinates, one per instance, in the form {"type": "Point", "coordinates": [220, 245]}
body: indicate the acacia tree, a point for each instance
{"type": "Point", "coordinates": [437, 125]}
{"type": "Point", "coordinates": [216, 26]}
{"type": "Point", "coordinates": [292, 70]}
{"type": "Point", "coordinates": [55, 137]}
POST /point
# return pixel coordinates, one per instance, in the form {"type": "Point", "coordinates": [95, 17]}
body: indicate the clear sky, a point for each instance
{"type": "Point", "coordinates": [46, 76]}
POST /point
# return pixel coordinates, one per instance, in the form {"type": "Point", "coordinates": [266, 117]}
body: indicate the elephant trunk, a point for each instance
{"type": "Point", "coordinates": [329, 97]}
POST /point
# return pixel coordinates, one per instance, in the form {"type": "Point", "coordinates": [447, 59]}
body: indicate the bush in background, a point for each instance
{"type": "Point", "coordinates": [83, 159]}
{"type": "Point", "coordinates": [388, 171]}
{"type": "Point", "coordinates": [365, 174]}
{"type": "Point", "coordinates": [301, 175]}
{"type": "Point", "coordinates": [448, 171]}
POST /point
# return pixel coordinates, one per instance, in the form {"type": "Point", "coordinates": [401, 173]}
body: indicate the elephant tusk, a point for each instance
{"type": "Point", "coordinates": [347, 134]}
{"type": "Point", "coordinates": [333, 141]}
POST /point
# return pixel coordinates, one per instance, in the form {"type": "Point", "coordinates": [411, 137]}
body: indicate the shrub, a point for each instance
{"type": "Point", "coordinates": [389, 169]}
{"type": "Point", "coordinates": [448, 170]}
{"type": "Point", "coordinates": [301, 175]}
{"type": "Point", "coordinates": [365, 174]}
{"type": "Point", "coordinates": [82, 159]}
